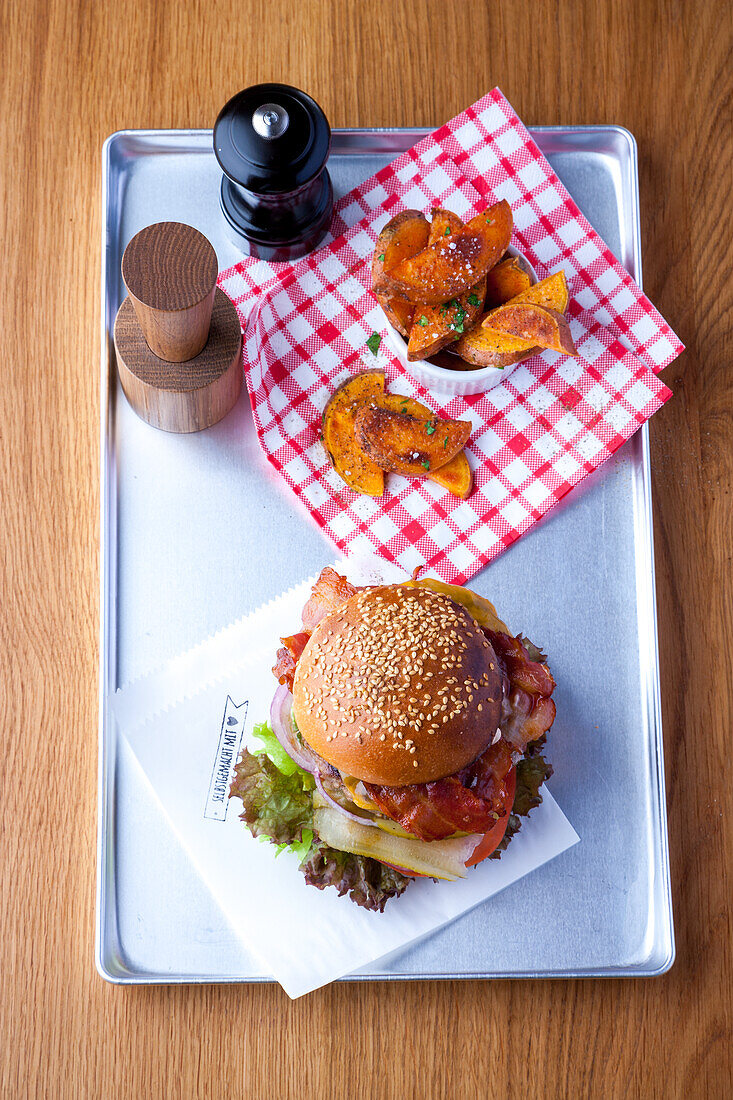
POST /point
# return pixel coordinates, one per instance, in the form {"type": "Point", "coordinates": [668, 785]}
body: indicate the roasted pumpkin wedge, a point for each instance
{"type": "Point", "coordinates": [453, 264]}
{"type": "Point", "coordinates": [349, 461]}
{"type": "Point", "coordinates": [401, 443]}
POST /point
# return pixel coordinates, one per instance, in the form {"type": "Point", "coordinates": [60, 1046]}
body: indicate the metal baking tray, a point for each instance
{"type": "Point", "coordinates": [197, 530]}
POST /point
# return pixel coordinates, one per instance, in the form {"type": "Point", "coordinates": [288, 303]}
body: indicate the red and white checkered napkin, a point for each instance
{"type": "Point", "coordinates": [554, 419]}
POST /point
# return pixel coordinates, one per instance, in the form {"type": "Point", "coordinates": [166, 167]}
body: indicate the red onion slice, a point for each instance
{"type": "Point", "coordinates": [281, 720]}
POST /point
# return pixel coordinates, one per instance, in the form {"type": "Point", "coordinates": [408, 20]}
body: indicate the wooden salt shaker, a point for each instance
{"type": "Point", "coordinates": [177, 336]}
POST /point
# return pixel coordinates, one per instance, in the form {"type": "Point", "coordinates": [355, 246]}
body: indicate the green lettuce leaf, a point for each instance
{"type": "Point", "coordinates": [535, 653]}
{"type": "Point", "coordinates": [368, 882]}
{"type": "Point", "coordinates": [299, 848]}
{"type": "Point", "coordinates": [532, 771]}
{"type": "Point", "coordinates": [274, 750]}
{"type": "Point", "coordinates": [276, 805]}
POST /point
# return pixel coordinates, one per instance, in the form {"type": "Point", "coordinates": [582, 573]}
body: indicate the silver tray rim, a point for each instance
{"type": "Point", "coordinates": [106, 752]}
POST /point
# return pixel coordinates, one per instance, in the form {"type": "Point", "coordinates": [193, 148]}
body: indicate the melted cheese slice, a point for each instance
{"type": "Point", "coordinates": [482, 610]}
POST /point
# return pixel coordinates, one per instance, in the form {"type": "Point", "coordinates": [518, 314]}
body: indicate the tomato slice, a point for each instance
{"type": "Point", "coordinates": [403, 870]}
{"type": "Point", "coordinates": [490, 841]}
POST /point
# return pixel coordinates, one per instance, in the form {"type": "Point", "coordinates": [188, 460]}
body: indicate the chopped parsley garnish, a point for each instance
{"type": "Point", "coordinates": [373, 342]}
{"type": "Point", "coordinates": [426, 464]}
{"type": "Point", "coordinates": [474, 300]}
{"type": "Point", "coordinates": [445, 443]}
{"type": "Point", "coordinates": [423, 321]}
{"type": "Point", "coordinates": [460, 316]}
{"type": "Point", "coordinates": [381, 258]}
{"type": "Point", "coordinates": [430, 429]}
{"type": "Point", "coordinates": [447, 232]}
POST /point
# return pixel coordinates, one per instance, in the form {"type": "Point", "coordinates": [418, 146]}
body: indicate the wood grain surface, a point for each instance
{"type": "Point", "coordinates": [181, 396]}
{"type": "Point", "coordinates": [75, 71]}
{"type": "Point", "coordinates": [170, 272]}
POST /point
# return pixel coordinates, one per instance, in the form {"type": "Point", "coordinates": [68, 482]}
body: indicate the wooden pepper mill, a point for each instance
{"type": "Point", "coordinates": [177, 336]}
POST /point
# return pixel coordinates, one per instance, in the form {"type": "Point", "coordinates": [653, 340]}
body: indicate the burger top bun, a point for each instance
{"type": "Point", "coordinates": [398, 685]}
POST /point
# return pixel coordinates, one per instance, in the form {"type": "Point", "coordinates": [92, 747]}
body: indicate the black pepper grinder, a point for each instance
{"type": "Point", "coordinates": [272, 143]}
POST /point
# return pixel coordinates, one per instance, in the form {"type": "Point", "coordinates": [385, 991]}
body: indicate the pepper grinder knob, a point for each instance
{"type": "Point", "coordinates": [270, 120]}
{"type": "Point", "coordinates": [272, 142]}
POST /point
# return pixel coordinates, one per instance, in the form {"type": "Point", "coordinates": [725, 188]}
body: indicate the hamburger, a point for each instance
{"type": "Point", "coordinates": [405, 738]}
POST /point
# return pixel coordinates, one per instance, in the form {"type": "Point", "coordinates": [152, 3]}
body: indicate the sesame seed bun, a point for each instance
{"type": "Point", "coordinates": [398, 685]}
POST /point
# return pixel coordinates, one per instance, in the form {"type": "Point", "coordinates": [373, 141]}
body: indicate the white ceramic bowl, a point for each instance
{"type": "Point", "coordinates": [453, 382]}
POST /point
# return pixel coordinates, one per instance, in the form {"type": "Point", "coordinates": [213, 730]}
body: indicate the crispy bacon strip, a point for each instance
{"type": "Point", "coordinates": [296, 643]}
{"type": "Point", "coordinates": [523, 672]}
{"type": "Point", "coordinates": [527, 710]}
{"type": "Point", "coordinates": [432, 811]}
{"type": "Point", "coordinates": [468, 802]}
{"type": "Point", "coordinates": [525, 718]}
{"type": "Point", "coordinates": [487, 776]}
{"type": "Point", "coordinates": [288, 656]}
{"type": "Point", "coordinates": [329, 592]}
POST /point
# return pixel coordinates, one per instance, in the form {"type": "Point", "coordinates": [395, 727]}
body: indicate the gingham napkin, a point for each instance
{"type": "Point", "coordinates": [535, 436]}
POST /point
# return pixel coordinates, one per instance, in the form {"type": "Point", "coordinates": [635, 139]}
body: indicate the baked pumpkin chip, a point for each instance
{"type": "Point", "coordinates": [484, 347]}
{"type": "Point", "coordinates": [444, 223]}
{"type": "Point", "coordinates": [402, 237]}
{"type": "Point", "coordinates": [433, 327]}
{"type": "Point", "coordinates": [453, 264]}
{"type": "Point", "coordinates": [456, 475]}
{"type": "Point", "coordinates": [401, 443]}
{"type": "Point", "coordinates": [509, 278]}
{"type": "Point", "coordinates": [551, 292]}
{"type": "Point", "coordinates": [398, 312]}
{"type": "Point", "coordinates": [547, 328]}
{"type": "Point", "coordinates": [347, 458]}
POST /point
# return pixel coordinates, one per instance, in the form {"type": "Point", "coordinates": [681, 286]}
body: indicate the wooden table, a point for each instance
{"type": "Point", "coordinates": [72, 73]}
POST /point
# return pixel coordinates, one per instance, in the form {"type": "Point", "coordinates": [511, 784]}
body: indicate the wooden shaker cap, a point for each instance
{"type": "Point", "coordinates": [170, 272]}
{"type": "Point", "coordinates": [186, 396]}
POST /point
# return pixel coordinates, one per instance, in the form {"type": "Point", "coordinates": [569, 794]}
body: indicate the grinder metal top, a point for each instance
{"type": "Point", "coordinates": [271, 138]}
